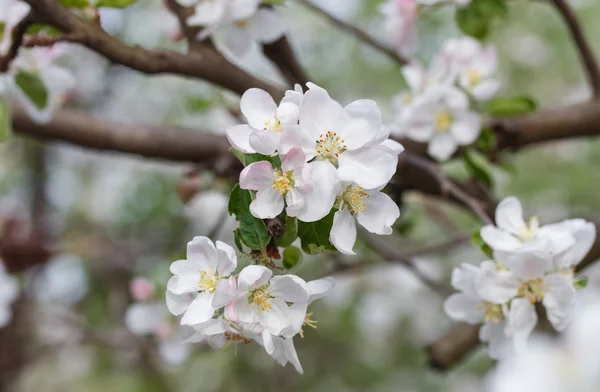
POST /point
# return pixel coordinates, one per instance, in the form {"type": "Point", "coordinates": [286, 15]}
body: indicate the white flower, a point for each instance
{"type": "Point", "coordinates": [476, 74]}
{"type": "Point", "coordinates": [512, 231]}
{"type": "Point", "coordinates": [11, 13]}
{"type": "Point", "coordinates": [9, 290]}
{"type": "Point", "coordinates": [145, 318]}
{"type": "Point", "coordinates": [284, 352]}
{"type": "Point", "coordinates": [292, 182]}
{"type": "Point", "coordinates": [266, 123]}
{"type": "Point", "coordinates": [374, 210]}
{"type": "Point", "coordinates": [400, 17]}
{"type": "Point", "coordinates": [264, 299]}
{"type": "Point", "coordinates": [442, 117]}
{"type": "Point", "coordinates": [343, 137]}
{"type": "Point", "coordinates": [62, 280]}
{"type": "Point", "coordinates": [205, 272]}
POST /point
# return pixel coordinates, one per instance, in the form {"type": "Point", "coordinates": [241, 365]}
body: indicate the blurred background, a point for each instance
{"type": "Point", "coordinates": [111, 217]}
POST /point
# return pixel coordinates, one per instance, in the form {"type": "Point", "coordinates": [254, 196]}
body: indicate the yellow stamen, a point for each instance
{"type": "Point", "coordinates": [308, 322]}
{"type": "Point", "coordinates": [474, 77]}
{"type": "Point", "coordinates": [443, 121]}
{"type": "Point", "coordinates": [261, 299]}
{"type": "Point", "coordinates": [329, 147]}
{"type": "Point", "coordinates": [208, 281]}
{"type": "Point", "coordinates": [355, 198]}
{"type": "Point", "coordinates": [283, 181]}
{"type": "Point", "coordinates": [533, 290]}
{"type": "Point", "coordinates": [274, 125]}
{"type": "Point", "coordinates": [530, 230]}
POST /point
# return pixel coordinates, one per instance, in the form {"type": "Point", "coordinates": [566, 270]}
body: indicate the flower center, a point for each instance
{"type": "Point", "coordinates": [261, 299]}
{"type": "Point", "coordinates": [529, 230]}
{"type": "Point", "coordinates": [533, 290]}
{"type": "Point", "coordinates": [493, 313]}
{"type": "Point", "coordinates": [283, 181]}
{"type": "Point", "coordinates": [329, 147]}
{"type": "Point", "coordinates": [474, 77]}
{"type": "Point", "coordinates": [443, 121]}
{"type": "Point", "coordinates": [234, 337]}
{"type": "Point", "coordinates": [355, 198]}
{"type": "Point", "coordinates": [309, 323]}
{"type": "Point", "coordinates": [208, 281]}
{"type": "Point", "coordinates": [274, 125]}
{"type": "Point", "coordinates": [242, 23]}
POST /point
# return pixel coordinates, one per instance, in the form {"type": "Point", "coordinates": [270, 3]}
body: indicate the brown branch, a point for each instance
{"type": "Point", "coordinates": [205, 62]}
{"type": "Point", "coordinates": [358, 33]}
{"type": "Point", "coordinates": [585, 51]}
{"type": "Point", "coordinates": [30, 41]}
{"type": "Point", "coordinates": [282, 55]}
{"type": "Point", "coordinates": [16, 39]}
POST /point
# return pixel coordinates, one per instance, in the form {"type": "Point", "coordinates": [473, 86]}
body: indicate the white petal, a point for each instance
{"type": "Point", "coordinates": [529, 265]}
{"type": "Point", "coordinates": [268, 203]}
{"type": "Point", "coordinates": [242, 9]}
{"type": "Point", "coordinates": [499, 239]}
{"type": "Point", "coordinates": [288, 113]}
{"type": "Point", "coordinates": [184, 284]}
{"type": "Point", "coordinates": [258, 107]}
{"type": "Point", "coordinates": [500, 346]}
{"type": "Point", "coordinates": [509, 215]}
{"type": "Point", "coordinates": [239, 138]}
{"type": "Point", "coordinates": [143, 318]}
{"type": "Point", "coordinates": [319, 288]}
{"type": "Point", "coordinates": [265, 142]}
{"type": "Point", "coordinates": [466, 128]}
{"type": "Point", "coordinates": [178, 304]}
{"type": "Point", "coordinates": [379, 215]}
{"type": "Point", "coordinates": [325, 187]}
{"type": "Point", "coordinates": [266, 25]}
{"type": "Point", "coordinates": [227, 259]}
{"type": "Point", "coordinates": [225, 292]}
{"type": "Point", "coordinates": [442, 146]}
{"type": "Point", "coordinates": [465, 308]}
{"type": "Point", "coordinates": [362, 123]}
{"type": "Point", "coordinates": [464, 277]}
{"type": "Point", "coordinates": [296, 201]}
{"type": "Point", "coordinates": [291, 355]}
{"type": "Point", "coordinates": [369, 167]}
{"type": "Point", "coordinates": [243, 311]}
{"type": "Point", "coordinates": [207, 13]}
{"type": "Point", "coordinates": [290, 288]}
{"type": "Point", "coordinates": [257, 176]}
{"type": "Point", "coordinates": [319, 113]}
{"type": "Point", "coordinates": [202, 251]}
{"type": "Point", "coordinates": [200, 310]}
{"type": "Point", "coordinates": [295, 159]}
{"type": "Point", "coordinates": [521, 321]}
{"type": "Point", "coordinates": [559, 300]}
{"type": "Point", "coordinates": [393, 145]}
{"type": "Point", "coordinates": [343, 232]}
{"type": "Point", "coordinates": [584, 237]}
{"type": "Point", "coordinates": [496, 286]}
{"type": "Point", "coordinates": [277, 318]}
{"type": "Point", "coordinates": [486, 89]}
{"type": "Point", "coordinates": [238, 41]}
{"type": "Point", "coordinates": [253, 276]}
{"type": "Point", "coordinates": [296, 136]}
{"type": "Point", "coordinates": [267, 339]}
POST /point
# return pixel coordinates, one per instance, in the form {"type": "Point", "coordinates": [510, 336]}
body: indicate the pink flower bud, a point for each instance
{"type": "Point", "coordinates": [141, 289]}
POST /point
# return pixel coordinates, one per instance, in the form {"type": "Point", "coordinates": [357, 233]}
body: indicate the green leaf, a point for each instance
{"type": "Point", "coordinates": [479, 166]}
{"type": "Point", "coordinates": [504, 107]}
{"type": "Point", "coordinates": [75, 3]}
{"type": "Point", "coordinates": [475, 18]}
{"type": "Point", "coordinates": [253, 232]}
{"type": "Point", "coordinates": [247, 159]}
{"type": "Point", "coordinates": [239, 202]}
{"type": "Point", "coordinates": [581, 282]}
{"type": "Point", "coordinates": [291, 257]}
{"type": "Point", "coordinates": [115, 3]}
{"type": "Point", "coordinates": [33, 87]}
{"type": "Point", "coordinates": [409, 219]}
{"type": "Point", "coordinates": [198, 104]}
{"type": "Point", "coordinates": [290, 233]}
{"type": "Point", "coordinates": [481, 245]}
{"type": "Point", "coordinates": [487, 140]}
{"type": "Point", "coordinates": [238, 240]}
{"type": "Point", "coordinates": [5, 121]}
{"type": "Point", "coordinates": [1, 29]}
{"type": "Point", "coordinates": [314, 236]}
{"type": "Point", "coordinates": [38, 28]}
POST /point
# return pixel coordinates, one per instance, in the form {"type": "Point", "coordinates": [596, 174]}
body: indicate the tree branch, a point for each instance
{"type": "Point", "coordinates": [358, 33]}
{"type": "Point", "coordinates": [282, 55]}
{"type": "Point", "coordinates": [16, 39]}
{"type": "Point", "coordinates": [585, 51]}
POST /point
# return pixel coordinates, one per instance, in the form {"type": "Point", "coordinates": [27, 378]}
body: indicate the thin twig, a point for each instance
{"type": "Point", "coordinates": [585, 51]}
{"type": "Point", "coordinates": [358, 33]}
{"type": "Point", "coordinates": [16, 39]}
{"type": "Point", "coordinates": [46, 40]}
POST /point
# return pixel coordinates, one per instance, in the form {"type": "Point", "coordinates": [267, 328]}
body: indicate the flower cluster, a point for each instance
{"type": "Point", "coordinates": [245, 20]}
{"type": "Point", "coordinates": [437, 109]}
{"type": "Point", "coordinates": [254, 305]}
{"type": "Point", "coordinates": [531, 265]}
{"type": "Point", "coordinates": [9, 289]}
{"type": "Point", "coordinates": [332, 157]}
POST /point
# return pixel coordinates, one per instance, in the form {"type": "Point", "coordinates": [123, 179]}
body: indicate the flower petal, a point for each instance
{"type": "Point", "coordinates": [265, 142]}
{"type": "Point", "coordinates": [325, 188]}
{"type": "Point", "coordinates": [295, 159]}
{"type": "Point", "coordinates": [369, 167]}
{"type": "Point", "coordinates": [266, 25]}
{"type": "Point", "coordinates": [442, 146]}
{"type": "Point", "coordinates": [200, 310]}
{"type": "Point", "coordinates": [239, 138]}
{"type": "Point", "coordinates": [238, 41]}
{"type": "Point", "coordinates": [143, 318]}
{"type": "Point", "coordinates": [178, 304]}
{"type": "Point", "coordinates": [258, 107]}
{"type": "Point", "coordinates": [225, 292]}
{"type": "Point", "coordinates": [290, 288]}
{"type": "Point", "coordinates": [268, 203]}
{"type": "Point", "coordinates": [362, 123]}
{"type": "Point", "coordinates": [343, 232]}
{"type": "Point", "coordinates": [227, 259]}
{"type": "Point", "coordinates": [201, 250]}
{"type": "Point", "coordinates": [559, 300]}
{"type": "Point", "coordinates": [252, 277]}
{"type": "Point", "coordinates": [498, 239]}
{"type": "Point", "coordinates": [277, 318]}
{"type": "Point", "coordinates": [379, 215]}
{"type": "Point", "coordinates": [509, 215]}
{"type": "Point", "coordinates": [528, 265]}
{"type": "Point", "coordinates": [465, 308]}
{"type": "Point", "coordinates": [466, 128]}
{"type": "Point", "coordinates": [521, 320]}
{"type": "Point", "coordinates": [496, 286]}
{"type": "Point", "coordinates": [319, 113]}
{"type": "Point", "coordinates": [319, 288]}
{"type": "Point", "coordinates": [257, 176]}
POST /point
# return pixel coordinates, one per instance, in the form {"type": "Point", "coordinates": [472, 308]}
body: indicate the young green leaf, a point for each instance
{"type": "Point", "coordinates": [247, 159]}
{"type": "Point", "coordinates": [479, 167]}
{"type": "Point", "coordinates": [314, 236]}
{"type": "Point", "coordinates": [33, 87]}
{"type": "Point", "coordinates": [75, 3]}
{"type": "Point", "coordinates": [291, 257]}
{"type": "Point", "coordinates": [115, 3]}
{"type": "Point", "coordinates": [475, 18]}
{"type": "Point", "coordinates": [581, 282]}
{"type": "Point", "coordinates": [481, 245]}
{"type": "Point", "coordinates": [504, 107]}
{"type": "Point", "coordinates": [253, 232]}
{"type": "Point", "coordinates": [239, 202]}
{"type": "Point", "coordinates": [487, 140]}
{"type": "Point", "coordinates": [198, 104]}
{"type": "Point", "coordinates": [5, 121]}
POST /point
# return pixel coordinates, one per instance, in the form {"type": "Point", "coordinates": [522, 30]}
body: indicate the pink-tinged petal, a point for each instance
{"type": "Point", "coordinates": [257, 176]}
{"type": "Point", "coordinates": [253, 276]}
{"type": "Point", "coordinates": [296, 201]}
{"type": "Point", "coordinates": [202, 250]}
{"type": "Point", "coordinates": [277, 318]}
{"type": "Point", "coordinates": [178, 304]}
{"type": "Point", "coordinates": [509, 215]}
{"type": "Point", "coordinates": [239, 138]}
{"type": "Point", "coordinates": [268, 203]}
{"type": "Point", "coordinates": [496, 286]}
{"type": "Point", "coordinates": [290, 288]}
{"type": "Point", "coordinates": [362, 123]}
{"type": "Point", "coordinates": [319, 113]}
{"type": "Point", "coordinates": [369, 167]}
{"type": "Point", "coordinates": [225, 292]}
{"type": "Point", "coordinates": [465, 308]}
{"type": "Point", "coordinates": [239, 42]}
{"type": "Point", "coordinates": [343, 232]}
{"type": "Point", "coordinates": [266, 25]}
{"type": "Point", "coordinates": [319, 288]}
{"type": "Point", "coordinates": [325, 188]}
{"type": "Point", "coordinates": [559, 300]}
{"type": "Point", "coordinates": [295, 159]}
{"type": "Point", "coordinates": [442, 146]}
{"type": "Point", "coordinates": [227, 259]}
{"type": "Point", "coordinates": [379, 215]}
{"type": "Point", "coordinates": [498, 239]}
{"type": "Point", "coordinates": [200, 310]}
{"type": "Point", "coordinates": [265, 142]}
{"type": "Point", "coordinates": [529, 265]}
{"type": "Point", "coordinates": [296, 136]}
{"type": "Point", "coordinates": [520, 321]}
{"type": "Point", "coordinates": [466, 128]}
{"type": "Point", "coordinates": [258, 107]}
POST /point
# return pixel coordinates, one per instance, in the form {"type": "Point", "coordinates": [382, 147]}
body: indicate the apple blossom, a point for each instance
{"type": "Point", "coordinates": [141, 289]}
{"type": "Point", "coordinates": [9, 290]}
{"type": "Point", "coordinates": [400, 17]}
{"type": "Point", "coordinates": [206, 272]}
{"type": "Point", "coordinates": [441, 116]}
{"type": "Point", "coordinates": [290, 183]}
{"type": "Point", "coordinates": [374, 210]}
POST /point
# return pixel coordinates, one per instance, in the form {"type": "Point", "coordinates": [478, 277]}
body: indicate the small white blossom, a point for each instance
{"type": "Point", "coordinates": [399, 20]}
